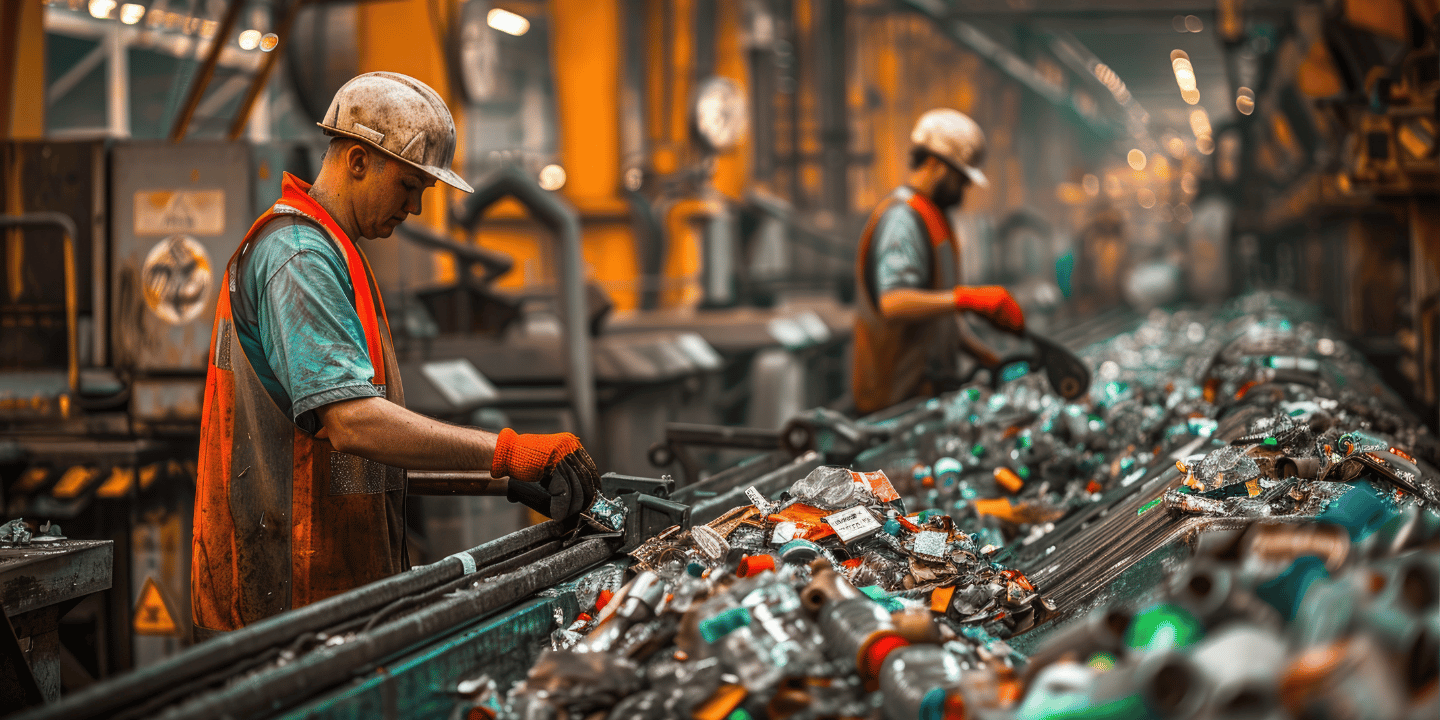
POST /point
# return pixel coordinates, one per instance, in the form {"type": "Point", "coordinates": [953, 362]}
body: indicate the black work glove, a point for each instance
{"type": "Point", "coordinates": [566, 491]}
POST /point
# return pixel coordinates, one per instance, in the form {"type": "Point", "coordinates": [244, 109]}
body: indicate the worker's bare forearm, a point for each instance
{"type": "Point", "coordinates": [377, 429]}
{"type": "Point", "coordinates": [906, 304]}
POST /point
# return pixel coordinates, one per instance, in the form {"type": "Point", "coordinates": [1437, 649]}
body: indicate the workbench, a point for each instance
{"type": "Point", "coordinates": [41, 582]}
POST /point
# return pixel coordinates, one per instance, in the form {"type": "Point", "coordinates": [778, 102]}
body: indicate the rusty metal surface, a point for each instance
{"type": "Point", "coordinates": [178, 212]}
{"type": "Point", "coordinates": [41, 575]}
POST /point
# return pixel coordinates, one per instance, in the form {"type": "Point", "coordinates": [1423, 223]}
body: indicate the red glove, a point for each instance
{"type": "Point", "coordinates": [994, 303]}
{"type": "Point", "coordinates": [558, 463]}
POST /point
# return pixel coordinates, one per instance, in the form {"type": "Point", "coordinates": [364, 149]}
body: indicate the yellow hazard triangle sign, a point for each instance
{"type": "Point", "coordinates": [152, 612]}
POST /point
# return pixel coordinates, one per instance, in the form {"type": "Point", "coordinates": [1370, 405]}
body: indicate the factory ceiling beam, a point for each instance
{"type": "Point", "coordinates": [1011, 11]}
{"type": "Point", "coordinates": [207, 71]}
{"type": "Point", "coordinates": [1085, 63]}
{"type": "Point", "coordinates": [1011, 65]}
{"type": "Point", "coordinates": [262, 76]}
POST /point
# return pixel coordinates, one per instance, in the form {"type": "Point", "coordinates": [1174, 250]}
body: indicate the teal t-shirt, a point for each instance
{"type": "Point", "coordinates": [900, 253]}
{"type": "Point", "coordinates": [294, 312]}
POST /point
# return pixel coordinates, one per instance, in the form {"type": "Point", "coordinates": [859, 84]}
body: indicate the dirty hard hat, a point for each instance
{"type": "Point", "coordinates": [953, 137]}
{"type": "Point", "coordinates": [402, 117]}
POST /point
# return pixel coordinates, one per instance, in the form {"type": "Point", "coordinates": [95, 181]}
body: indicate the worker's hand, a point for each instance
{"type": "Point", "coordinates": [994, 303]}
{"type": "Point", "coordinates": [557, 463]}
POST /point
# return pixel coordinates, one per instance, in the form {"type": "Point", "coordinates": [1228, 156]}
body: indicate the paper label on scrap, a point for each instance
{"type": "Point", "coordinates": [853, 524]}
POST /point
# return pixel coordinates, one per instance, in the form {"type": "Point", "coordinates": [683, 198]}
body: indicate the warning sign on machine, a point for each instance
{"type": "Point", "coordinates": [194, 212]}
{"type": "Point", "coordinates": [152, 613]}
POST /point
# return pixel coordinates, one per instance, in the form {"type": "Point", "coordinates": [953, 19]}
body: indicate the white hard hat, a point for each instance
{"type": "Point", "coordinates": [402, 117]}
{"type": "Point", "coordinates": [953, 137]}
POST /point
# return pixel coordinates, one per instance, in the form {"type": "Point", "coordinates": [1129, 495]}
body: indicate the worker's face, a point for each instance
{"type": "Point", "coordinates": [386, 191]}
{"type": "Point", "coordinates": [951, 188]}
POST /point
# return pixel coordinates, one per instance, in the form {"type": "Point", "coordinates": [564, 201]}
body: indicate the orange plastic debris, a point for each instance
{"type": "Point", "coordinates": [940, 598]}
{"type": "Point", "coordinates": [1008, 479]}
{"type": "Point", "coordinates": [722, 703]}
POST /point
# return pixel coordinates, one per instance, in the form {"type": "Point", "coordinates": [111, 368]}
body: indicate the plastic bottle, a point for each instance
{"type": "Point", "coordinates": [916, 681]}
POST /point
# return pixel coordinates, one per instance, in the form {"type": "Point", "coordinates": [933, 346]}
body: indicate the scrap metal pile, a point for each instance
{"type": "Point", "coordinates": [1249, 432]}
{"type": "Point", "coordinates": [804, 606]}
{"type": "Point", "coordinates": [1284, 407]}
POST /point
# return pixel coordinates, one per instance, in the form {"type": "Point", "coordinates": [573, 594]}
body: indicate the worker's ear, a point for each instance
{"type": "Point", "coordinates": [357, 160]}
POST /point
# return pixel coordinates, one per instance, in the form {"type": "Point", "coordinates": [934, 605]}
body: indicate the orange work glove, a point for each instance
{"type": "Point", "coordinates": [993, 303]}
{"type": "Point", "coordinates": [557, 463]}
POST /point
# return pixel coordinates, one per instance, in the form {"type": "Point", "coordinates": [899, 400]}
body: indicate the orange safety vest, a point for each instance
{"type": "Point", "coordinates": [282, 519]}
{"type": "Point", "coordinates": [895, 361]}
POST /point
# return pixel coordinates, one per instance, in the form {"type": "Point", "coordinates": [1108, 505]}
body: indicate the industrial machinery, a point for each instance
{"type": "Point", "coordinates": [443, 635]}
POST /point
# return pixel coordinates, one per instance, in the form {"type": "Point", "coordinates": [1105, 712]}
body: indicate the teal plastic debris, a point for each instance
{"type": "Point", "coordinates": [1286, 591]}
{"type": "Point", "coordinates": [1064, 271]}
{"type": "Point", "coordinates": [932, 706]}
{"type": "Point", "coordinates": [1014, 371]}
{"type": "Point", "coordinates": [714, 628]}
{"type": "Point", "coordinates": [1163, 627]}
{"type": "Point", "coordinates": [878, 594]}
{"type": "Point", "coordinates": [1361, 511]}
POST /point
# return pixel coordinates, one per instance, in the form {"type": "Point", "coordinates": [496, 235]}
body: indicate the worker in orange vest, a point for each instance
{"type": "Point", "coordinates": [305, 439]}
{"type": "Point", "coordinates": [907, 339]}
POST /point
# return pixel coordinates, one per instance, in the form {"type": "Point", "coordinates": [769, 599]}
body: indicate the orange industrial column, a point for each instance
{"type": "Point", "coordinates": [401, 36]}
{"type": "Point", "coordinates": [22, 69]}
{"type": "Point", "coordinates": [585, 46]}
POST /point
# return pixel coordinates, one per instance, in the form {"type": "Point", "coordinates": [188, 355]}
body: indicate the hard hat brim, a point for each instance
{"type": "Point", "coordinates": [975, 175]}
{"type": "Point", "coordinates": [445, 175]}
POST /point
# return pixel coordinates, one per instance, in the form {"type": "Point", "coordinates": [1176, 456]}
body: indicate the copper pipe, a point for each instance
{"type": "Point", "coordinates": [1282, 543]}
{"type": "Point", "coordinates": [826, 586]}
{"type": "Point", "coordinates": [262, 76]}
{"type": "Point", "coordinates": [207, 71]}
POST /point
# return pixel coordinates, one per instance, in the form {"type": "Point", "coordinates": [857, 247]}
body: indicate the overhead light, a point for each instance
{"type": "Point", "coordinates": [552, 177]}
{"type": "Point", "coordinates": [101, 8]}
{"type": "Point", "coordinates": [1175, 146]}
{"type": "Point", "coordinates": [1245, 100]}
{"type": "Point", "coordinates": [720, 113]}
{"type": "Point", "coordinates": [1091, 184]}
{"type": "Point", "coordinates": [130, 13]}
{"type": "Point", "coordinates": [1136, 158]}
{"type": "Point", "coordinates": [1184, 76]}
{"type": "Point", "coordinates": [1159, 166]}
{"type": "Point", "coordinates": [269, 42]}
{"type": "Point", "coordinates": [1113, 187]}
{"type": "Point", "coordinates": [507, 22]}
{"type": "Point", "coordinates": [249, 40]}
{"type": "Point", "coordinates": [1200, 122]}
{"type": "Point", "coordinates": [1189, 184]}
{"type": "Point", "coordinates": [1193, 24]}
{"type": "Point", "coordinates": [1146, 198]}
{"type": "Point", "coordinates": [1417, 137]}
{"type": "Point", "coordinates": [208, 29]}
{"type": "Point", "coordinates": [1205, 144]}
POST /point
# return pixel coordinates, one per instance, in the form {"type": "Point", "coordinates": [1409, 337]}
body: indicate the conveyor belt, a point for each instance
{"type": "Point", "coordinates": [287, 658]}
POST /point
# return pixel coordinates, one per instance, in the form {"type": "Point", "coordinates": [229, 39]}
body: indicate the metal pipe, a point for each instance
{"type": "Point", "coordinates": [117, 86]}
{"type": "Point", "coordinates": [67, 233]}
{"type": "Point", "coordinates": [562, 219]}
{"type": "Point", "coordinates": [457, 483]}
{"type": "Point", "coordinates": [262, 76]}
{"type": "Point", "coordinates": [832, 108]}
{"type": "Point", "coordinates": [107, 698]}
{"type": "Point", "coordinates": [288, 685]}
{"type": "Point", "coordinates": [207, 71]}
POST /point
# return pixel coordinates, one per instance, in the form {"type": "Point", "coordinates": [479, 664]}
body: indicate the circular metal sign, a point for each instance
{"type": "Point", "coordinates": [177, 279]}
